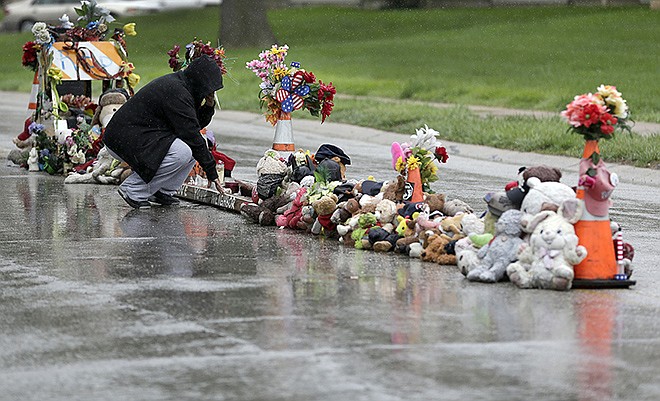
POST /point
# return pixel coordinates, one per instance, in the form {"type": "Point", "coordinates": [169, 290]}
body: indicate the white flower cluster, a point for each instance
{"type": "Point", "coordinates": [425, 138]}
{"type": "Point", "coordinates": [41, 34]}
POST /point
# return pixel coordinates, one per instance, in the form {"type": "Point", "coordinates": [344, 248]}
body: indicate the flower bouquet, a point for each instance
{"type": "Point", "coordinates": [415, 160]}
{"type": "Point", "coordinates": [284, 89]}
{"type": "Point", "coordinates": [195, 49]}
{"type": "Point", "coordinates": [598, 115]}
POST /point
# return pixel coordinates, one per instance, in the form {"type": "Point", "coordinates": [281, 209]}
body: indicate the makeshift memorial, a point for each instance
{"type": "Point", "coordinates": [286, 88]}
{"type": "Point", "coordinates": [597, 116]}
{"type": "Point", "coordinates": [64, 58]}
{"type": "Point", "coordinates": [415, 161]}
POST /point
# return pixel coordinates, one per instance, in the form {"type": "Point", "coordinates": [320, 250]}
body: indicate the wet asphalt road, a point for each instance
{"type": "Point", "coordinates": [99, 302]}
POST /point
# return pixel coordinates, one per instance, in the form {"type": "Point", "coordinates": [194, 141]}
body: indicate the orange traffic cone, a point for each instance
{"type": "Point", "coordinates": [414, 186]}
{"type": "Point", "coordinates": [594, 233]}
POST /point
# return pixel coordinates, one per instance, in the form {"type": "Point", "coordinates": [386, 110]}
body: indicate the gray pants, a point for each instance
{"type": "Point", "coordinates": [169, 177]}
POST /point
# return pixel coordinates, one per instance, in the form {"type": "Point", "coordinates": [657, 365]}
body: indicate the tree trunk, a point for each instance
{"type": "Point", "coordinates": [244, 23]}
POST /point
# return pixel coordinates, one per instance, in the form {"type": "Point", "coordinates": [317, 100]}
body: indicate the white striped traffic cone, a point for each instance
{"type": "Point", "coordinates": [283, 141]}
{"type": "Point", "coordinates": [32, 104]}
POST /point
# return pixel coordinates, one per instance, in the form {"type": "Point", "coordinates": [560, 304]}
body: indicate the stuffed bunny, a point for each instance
{"type": "Point", "coordinates": [500, 252]}
{"type": "Point", "coordinates": [547, 261]}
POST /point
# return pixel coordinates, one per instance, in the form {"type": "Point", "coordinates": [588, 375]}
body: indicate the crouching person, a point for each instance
{"type": "Point", "coordinates": [157, 133]}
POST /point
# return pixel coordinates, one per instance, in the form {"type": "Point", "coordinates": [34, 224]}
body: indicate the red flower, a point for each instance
{"type": "Point", "coordinates": [309, 77]}
{"type": "Point", "coordinates": [608, 122]}
{"type": "Point", "coordinates": [326, 92]}
{"type": "Point", "coordinates": [441, 154]}
{"type": "Point", "coordinates": [326, 109]}
{"type": "Point", "coordinates": [590, 115]}
{"type": "Point", "coordinates": [29, 58]}
{"type": "Point", "coordinates": [174, 51]}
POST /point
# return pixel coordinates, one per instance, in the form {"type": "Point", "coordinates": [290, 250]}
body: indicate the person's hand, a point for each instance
{"type": "Point", "coordinates": [210, 100]}
{"type": "Point", "coordinates": [218, 185]}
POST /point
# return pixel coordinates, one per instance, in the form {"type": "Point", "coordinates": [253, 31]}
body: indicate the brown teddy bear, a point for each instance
{"type": "Point", "coordinates": [435, 250]}
{"type": "Point", "coordinates": [436, 202]}
{"type": "Point", "coordinates": [324, 207]}
{"type": "Point", "coordinates": [394, 189]}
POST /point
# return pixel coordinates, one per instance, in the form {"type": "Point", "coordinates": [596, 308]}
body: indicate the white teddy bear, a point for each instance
{"type": "Point", "coordinates": [547, 261]}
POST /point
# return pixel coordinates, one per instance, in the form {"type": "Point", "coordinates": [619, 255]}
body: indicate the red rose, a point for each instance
{"type": "Point", "coordinates": [309, 77]}
{"type": "Point", "coordinates": [441, 154]}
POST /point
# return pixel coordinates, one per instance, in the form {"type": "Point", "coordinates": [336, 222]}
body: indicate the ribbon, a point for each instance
{"type": "Point", "coordinates": [547, 256]}
{"type": "Point", "coordinates": [82, 55]}
{"type": "Point", "coordinates": [290, 95]}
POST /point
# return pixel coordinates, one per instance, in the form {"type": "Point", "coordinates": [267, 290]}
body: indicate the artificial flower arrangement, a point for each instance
{"type": "Point", "coordinates": [598, 115]}
{"type": "Point", "coordinates": [64, 148]}
{"type": "Point", "coordinates": [195, 49]}
{"type": "Point", "coordinates": [60, 154]}
{"type": "Point", "coordinates": [284, 89]}
{"type": "Point", "coordinates": [420, 153]}
{"type": "Point", "coordinates": [93, 22]}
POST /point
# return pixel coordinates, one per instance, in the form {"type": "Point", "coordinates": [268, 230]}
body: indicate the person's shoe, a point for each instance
{"type": "Point", "coordinates": [133, 203]}
{"type": "Point", "coordinates": [163, 199]}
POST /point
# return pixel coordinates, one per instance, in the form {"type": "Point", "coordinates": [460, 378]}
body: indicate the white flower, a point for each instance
{"type": "Point", "coordinates": [425, 138]}
{"type": "Point", "coordinates": [41, 34]}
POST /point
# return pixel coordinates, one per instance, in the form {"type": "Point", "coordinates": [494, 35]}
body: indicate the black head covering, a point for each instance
{"type": "Point", "coordinates": [203, 76]}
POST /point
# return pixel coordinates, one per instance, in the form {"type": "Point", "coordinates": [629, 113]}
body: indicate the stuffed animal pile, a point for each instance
{"type": "Point", "coordinates": [525, 234]}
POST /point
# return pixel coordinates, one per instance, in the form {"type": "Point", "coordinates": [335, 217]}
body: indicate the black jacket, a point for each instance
{"type": "Point", "coordinates": [142, 130]}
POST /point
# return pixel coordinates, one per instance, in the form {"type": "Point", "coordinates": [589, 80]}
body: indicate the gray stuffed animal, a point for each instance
{"type": "Point", "coordinates": [494, 258]}
{"type": "Point", "coordinates": [547, 261]}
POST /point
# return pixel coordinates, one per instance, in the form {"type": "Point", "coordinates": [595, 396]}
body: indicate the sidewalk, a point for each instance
{"type": "Point", "coordinates": [14, 106]}
{"type": "Point", "coordinates": [640, 128]}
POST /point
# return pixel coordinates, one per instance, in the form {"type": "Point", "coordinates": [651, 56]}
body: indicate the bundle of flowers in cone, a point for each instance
{"type": "Point", "coordinates": [415, 161]}
{"type": "Point", "coordinates": [285, 89]}
{"type": "Point", "coordinates": [595, 117]}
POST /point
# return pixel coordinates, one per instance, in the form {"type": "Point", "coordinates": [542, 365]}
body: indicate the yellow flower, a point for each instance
{"type": "Point", "coordinates": [606, 91]}
{"type": "Point", "coordinates": [280, 72]}
{"type": "Point", "coordinates": [618, 106]}
{"type": "Point", "coordinates": [277, 50]}
{"type": "Point", "coordinates": [129, 29]}
{"type": "Point", "coordinates": [133, 79]}
{"type": "Point", "coordinates": [400, 166]}
{"type": "Point", "coordinates": [413, 163]}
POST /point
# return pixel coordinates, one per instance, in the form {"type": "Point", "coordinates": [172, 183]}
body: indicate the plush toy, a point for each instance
{"type": "Point", "coordinates": [271, 171]}
{"type": "Point", "coordinates": [501, 251]}
{"type": "Point", "coordinates": [345, 210]}
{"type": "Point", "coordinates": [292, 217]}
{"type": "Point", "coordinates": [623, 250]}
{"type": "Point", "coordinates": [436, 202]}
{"type": "Point", "coordinates": [456, 206]}
{"type": "Point", "coordinates": [333, 160]}
{"type": "Point", "coordinates": [109, 102]}
{"type": "Point", "coordinates": [364, 222]}
{"type": "Point", "coordinates": [104, 170]}
{"type": "Point", "coordinates": [386, 212]}
{"type": "Point", "coordinates": [394, 190]}
{"type": "Point", "coordinates": [545, 196]}
{"type": "Point", "coordinates": [324, 207]}
{"type": "Point", "coordinates": [381, 239]}
{"type": "Point", "coordinates": [472, 224]}
{"type": "Point", "coordinates": [516, 191]}
{"type": "Point", "coordinates": [436, 250]}
{"type": "Point", "coordinates": [452, 227]}
{"type": "Point", "coordinates": [547, 261]}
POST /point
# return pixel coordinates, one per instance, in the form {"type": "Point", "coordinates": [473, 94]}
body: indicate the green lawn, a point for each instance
{"type": "Point", "coordinates": [533, 58]}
